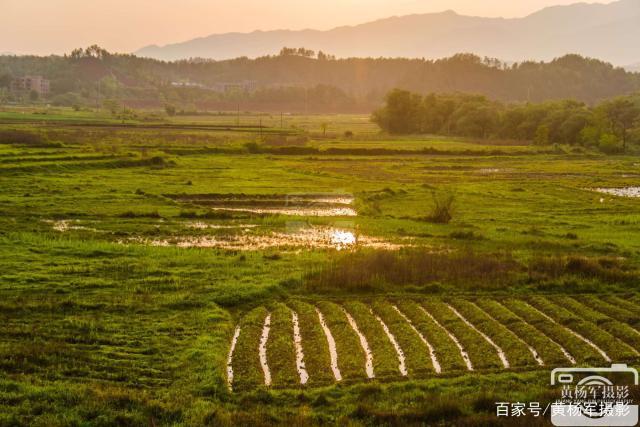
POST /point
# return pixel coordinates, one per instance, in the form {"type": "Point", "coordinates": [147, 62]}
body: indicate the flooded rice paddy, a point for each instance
{"type": "Point", "coordinates": [620, 192]}
{"type": "Point", "coordinates": [315, 204]}
{"type": "Point", "coordinates": [319, 237]}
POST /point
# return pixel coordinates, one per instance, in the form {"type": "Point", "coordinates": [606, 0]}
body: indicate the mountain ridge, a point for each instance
{"type": "Point", "coordinates": [606, 31]}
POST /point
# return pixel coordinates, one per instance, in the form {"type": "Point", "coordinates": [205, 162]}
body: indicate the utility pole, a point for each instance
{"type": "Point", "coordinates": [238, 117]}
{"type": "Point", "coordinates": [281, 120]}
{"type": "Point", "coordinates": [260, 128]}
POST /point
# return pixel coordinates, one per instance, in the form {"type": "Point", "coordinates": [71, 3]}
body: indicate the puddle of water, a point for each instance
{"type": "Point", "coordinates": [432, 352]}
{"type": "Point", "coordinates": [307, 237]}
{"type": "Point", "coordinates": [318, 204]}
{"type": "Point", "coordinates": [620, 192]}
{"type": "Point", "coordinates": [365, 345]}
{"type": "Point", "coordinates": [262, 350]}
{"type": "Point", "coordinates": [65, 225]}
{"type": "Point", "coordinates": [199, 225]}
{"type": "Point", "coordinates": [501, 355]}
{"type": "Point", "coordinates": [309, 211]}
{"type": "Point", "coordinates": [234, 341]}
{"type": "Point", "coordinates": [333, 353]}
{"type": "Point", "coordinates": [487, 171]}
{"type": "Point", "coordinates": [402, 367]}
{"type": "Point", "coordinates": [297, 341]}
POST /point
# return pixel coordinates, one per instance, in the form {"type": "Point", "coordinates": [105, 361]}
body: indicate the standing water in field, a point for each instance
{"type": "Point", "coordinates": [620, 192]}
{"type": "Point", "coordinates": [590, 343]}
{"type": "Point", "coordinates": [432, 352]}
{"type": "Point", "coordinates": [297, 340]}
{"type": "Point", "coordinates": [234, 341]}
{"type": "Point", "coordinates": [501, 355]}
{"type": "Point", "coordinates": [463, 352]}
{"type": "Point", "coordinates": [402, 367]}
{"type": "Point", "coordinates": [333, 353]}
{"type": "Point", "coordinates": [262, 350]}
{"type": "Point", "coordinates": [365, 345]}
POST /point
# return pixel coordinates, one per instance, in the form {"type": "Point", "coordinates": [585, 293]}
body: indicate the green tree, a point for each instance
{"type": "Point", "coordinates": [622, 114]}
{"type": "Point", "coordinates": [542, 135]}
{"type": "Point", "coordinates": [170, 110]}
{"type": "Point", "coordinates": [401, 113]}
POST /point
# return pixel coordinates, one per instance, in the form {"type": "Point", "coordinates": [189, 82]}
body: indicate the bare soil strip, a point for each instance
{"type": "Point", "coordinates": [262, 350]}
{"type": "Point", "coordinates": [499, 350]}
{"type": "Point", "coordinates": [572, 332]}
{"type": "Point", "coordinates": [365, 345]}
{"type": "Point", "coordinates": [402, 367]}
{"type": "Point", "coordinates": [332, 347]}
{"type": "Point", "coordinates": [234, 341]}
{"type": "Point", "coordinates": [532, 350]}
{"type": "Point", "coordinates": [432, 352]}
{"type": "Point", "coordinates": [297, 340]}
{"type": "Point", "coordinates": [463, 352]}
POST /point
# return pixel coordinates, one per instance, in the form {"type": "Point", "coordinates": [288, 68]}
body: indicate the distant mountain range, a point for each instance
{"type": "Point", "coordinates": [610, 32]}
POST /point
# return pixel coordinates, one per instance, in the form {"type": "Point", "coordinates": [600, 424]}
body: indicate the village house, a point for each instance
{"type": "Point", "coordinates": [31, 83]}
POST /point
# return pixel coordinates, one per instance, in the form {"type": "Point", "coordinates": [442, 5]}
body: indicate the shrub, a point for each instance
{"type": "Point", "coordinates": [443, 208]}
{"type": "Point", "coordinates": [609, 144]}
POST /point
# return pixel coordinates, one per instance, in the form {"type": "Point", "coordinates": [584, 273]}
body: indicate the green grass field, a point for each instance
{"type": "Point", "coordinates": [130, 255]}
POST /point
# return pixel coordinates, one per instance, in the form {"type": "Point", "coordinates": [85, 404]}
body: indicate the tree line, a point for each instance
{"type": "Point", "coordinates": [611, 125]}
{"type": "Point", "coordinates": [86, 76]}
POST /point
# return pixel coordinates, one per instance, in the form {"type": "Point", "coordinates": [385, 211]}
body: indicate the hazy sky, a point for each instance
{"type": "Point", "coordinates": [58, 26]}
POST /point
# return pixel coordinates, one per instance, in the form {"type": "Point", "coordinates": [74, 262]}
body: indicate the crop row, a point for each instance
{"type": "Point", "coordinates": [303, 343]}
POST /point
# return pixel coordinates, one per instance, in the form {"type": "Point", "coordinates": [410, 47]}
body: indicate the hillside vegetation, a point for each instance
{"type": "Point", "coordinates": [299, 80]}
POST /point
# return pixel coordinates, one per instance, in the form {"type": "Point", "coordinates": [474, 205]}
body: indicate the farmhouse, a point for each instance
{"type": "Point", "coordinates": [31, 83]}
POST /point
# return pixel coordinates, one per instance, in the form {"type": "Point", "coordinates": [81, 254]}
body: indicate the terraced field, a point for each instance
{"type": "Point", "coordinates": [315, 343]}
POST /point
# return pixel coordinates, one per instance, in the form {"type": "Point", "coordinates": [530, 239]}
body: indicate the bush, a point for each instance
{"type": "Point", "coordinates": [443, 207]}
{"type": "Point", "coordinates": [609, 144]}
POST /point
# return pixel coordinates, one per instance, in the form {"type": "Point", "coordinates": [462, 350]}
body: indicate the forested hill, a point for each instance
{"type": "Point", "coordinates": [300, 80]}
